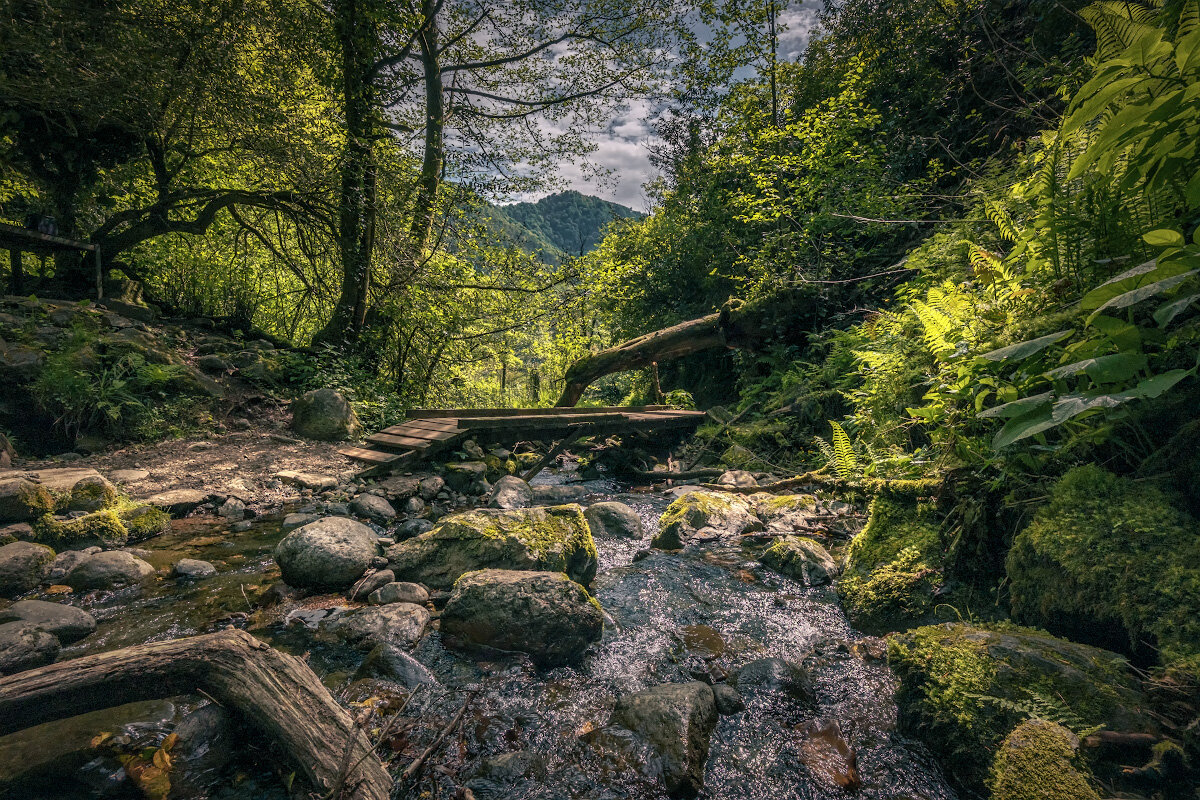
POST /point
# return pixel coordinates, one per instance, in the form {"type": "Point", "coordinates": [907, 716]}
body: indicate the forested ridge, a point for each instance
{"type": "Point", "coordinates": [934, 278]}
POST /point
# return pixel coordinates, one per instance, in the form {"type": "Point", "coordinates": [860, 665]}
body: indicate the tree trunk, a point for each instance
{"type": "Point", "coordinates": [735, 325]}
{"type": "Point", "coordinates": [276, 693]}
{"type": "Point", "coordinates": [433, 159]}
{"type": "Point", "coordinates": [359, 34]}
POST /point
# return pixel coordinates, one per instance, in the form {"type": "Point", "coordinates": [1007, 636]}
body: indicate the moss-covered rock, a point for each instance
{"type": "Point", "coordinates": [554, 539]}
{"type": "Point", "coordinates": [1039, 761]}
{"type": "Point", "coordinates": [116, 526]}
{"type": "Point", "coordinates": [728, 513]}
{"type": "Point", "coordinates": [963, 689]}
{"type": "Point", "coordinates": [1110, 555]}
{"type": "Point", "coordinates": [893, 566]}
{"type": "Point", "coordinates": [801, 558]}
{"type": "Point", "coordinates": [22, 500]}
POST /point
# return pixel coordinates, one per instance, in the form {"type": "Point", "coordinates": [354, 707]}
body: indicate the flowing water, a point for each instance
{"type": "Point", "coordinates": [702, 613]}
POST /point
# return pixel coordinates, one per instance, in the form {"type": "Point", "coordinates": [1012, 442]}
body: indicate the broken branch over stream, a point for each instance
{"type": "Point", "coordinates": [275, 692]}
{"type": "Point", "coordinates": [736, 325]}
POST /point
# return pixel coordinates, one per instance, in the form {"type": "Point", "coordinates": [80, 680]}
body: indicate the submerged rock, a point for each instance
{"type": "Point", "coordinates": [205, 746]}
{"type": "Point", "coordinates": [1036, 756]}
{"type": "Point", "coordinates": [677, 721]}
{"type": "Point", "coordinates": [67, 623]}
{"type": "Point", "coordinates": [109, 570]}
{"type": "Point", "coordinates": [511, 492]}
{"type": "Point", "coordinates": [556, 539]}
{"type": "Point", "coordinates": [389, 662]}
{"type": "Point", "coordinates": [773, 675]}
{"type": "Point", "coordinates": [543, 614]}
{"type": "Point", "coordinates": [948, 671]}
{"type": "Point", "coordinates": [728, 699]}
{"type": "Point", "coordinates": [193, 568]}
{"type": "Point", "coordinates": [729, 515]}
{"type": "Point", "coordinates": [827, 755]}
{"type": "Point", "coordinates": [398, 624]}
{"type": "Point", "coordinates": [611, 518]}
{"type": "Point", "coordinates": [23, 565]}
{"type": "Point", "coordinates": [325, 415]}
{"type": "Point", "coordinates": [331, 553]}
{"type": "Point", "coordinates": [25, 646]}
{"type": "Point", "coordinates": [801, 558]}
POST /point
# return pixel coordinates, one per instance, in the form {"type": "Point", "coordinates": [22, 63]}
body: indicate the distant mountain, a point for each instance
{"type": "Point", "coordinates": [560, 225]}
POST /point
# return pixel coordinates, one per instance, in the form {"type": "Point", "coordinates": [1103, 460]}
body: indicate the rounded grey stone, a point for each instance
{"type": "Point", "coordinates": [331, 553]}
{"type": "Point", "coordinates": [23, 565]}
{"type": "Point", "coordinates": [108, 570]}
{"type": "Point", "coordinates": [611, 518]}
{"type": "Point", "coordinates": [67, 623]}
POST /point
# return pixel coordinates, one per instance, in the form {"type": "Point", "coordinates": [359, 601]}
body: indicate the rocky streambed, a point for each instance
{"type": "Point", "coordinates": [717, 662]}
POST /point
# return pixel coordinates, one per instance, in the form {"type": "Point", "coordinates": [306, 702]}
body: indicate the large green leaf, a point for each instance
{"type": "Point", "coordinates": [1164, 237]}
{"type": "Point", "coordinates": [1104, 369]}
{"type": "Point", "coordinates": [1072, 405]}
{"type": "Point", "coordinates": [1157, 385]}
{"type": "Point", "coordinates": [1141, 275]}
{"type": "Point", "coordinates": [1024, 426]}
{"type": "Point", "coordinates": [1165, 315]}
{"type": "Point", "coordinates": [1134, 296]}
{"type": "Point", "coordinates": [1023, 350]}
{"type": "Point", "coordinates": [1018, 407]}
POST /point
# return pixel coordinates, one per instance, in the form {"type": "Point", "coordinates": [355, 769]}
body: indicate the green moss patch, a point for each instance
{"type": "Point", "coordinates": [893, 566]}
{"type": "Point", "coordinates": [963, 688]}
{"type": "Point", "coordinates": [1039, 761]}
{"type": "Point", "coordinates": [117, 526]}
{"type": "Point", "coordinates": [1113, 552]}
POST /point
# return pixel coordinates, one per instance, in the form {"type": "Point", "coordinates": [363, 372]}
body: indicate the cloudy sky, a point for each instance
{"type": "Point", "coordinates": [623, 147]}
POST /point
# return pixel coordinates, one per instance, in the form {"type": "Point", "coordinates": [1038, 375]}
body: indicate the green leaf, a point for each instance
{"type": "Point", "coordinates": [1164, 237]}
{"type": "Point", "coordinates": [1125, 336]}
{"type": "Point", "coordinates": [1141, 275]}
{"type": "Point", "coordinates": [1104, 369]}
{"type": "Point", "coordinates": [1072, 405]}
{"type": "Point", "coordinates": [1023, 350]}
{"type": "Point", "coordinates": [1157, 385]}
{"type": "Point", "coordinates": [1018, 407]}
{"type": "Point", "coordinates": [1134, 296]}
{"type": "Point", "coordinates": [1024, 426]}
{"type": "Point", "coordinates": [1171, 310]}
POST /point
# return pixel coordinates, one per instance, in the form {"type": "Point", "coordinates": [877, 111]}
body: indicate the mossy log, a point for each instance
{"type": "Point", "coordinates": [736, 325]}
{"type": "Point", "coordinates": [274, 692]}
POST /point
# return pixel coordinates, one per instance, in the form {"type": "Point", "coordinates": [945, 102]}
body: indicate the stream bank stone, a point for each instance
{"type": "Point", "coordinates": [178, 502]}
{"type": "Point", "coordinates": [23, 565]}
{"type": "Point", "coordinates": [555, 539]}
{"type": "Point", "coordinates": [108, 570]}
{"type": "Point", "coordinates": [24, 646]}
{"type": "Point", "coordinates": [611, 518]}
{"type": "Point", "coordinates": [331, 553]}
{"type": "Point", "coordinates": [67, 623]}
{"type": "Point", "coordinates": [325, 415]}
{"type": "Point", "coordinates": [374, 508]}
{"type": "Point", "coordinates": [511, 492]}
{"type": "Point", "coordinates": [801, 558]}
{"type": "Point", "coordinates": [677, 721]}
{"type": "Point", "coordinates": [730, 515]}
{"type": "Point", "coordinates": [543, 614]}
{"type": "Point", "coordinates": [399, 592]}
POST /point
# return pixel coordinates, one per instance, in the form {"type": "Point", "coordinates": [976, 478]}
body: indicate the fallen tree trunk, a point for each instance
{"type": "Point", "coordinates": [275, 692]}
{"type": "Point", "coordinates": [736, 325]}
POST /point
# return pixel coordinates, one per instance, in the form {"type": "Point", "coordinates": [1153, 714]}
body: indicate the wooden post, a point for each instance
{"type": "Point", "coordinates": [16, 280]}
{"type": "Point", "coordinates": [658, 393]}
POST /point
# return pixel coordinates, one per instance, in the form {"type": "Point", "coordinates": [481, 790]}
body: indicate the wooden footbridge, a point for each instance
{"type": "Point", "coordinates": [425, 433]}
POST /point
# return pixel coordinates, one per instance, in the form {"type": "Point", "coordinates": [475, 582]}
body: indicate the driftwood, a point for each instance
{"type": "Point", "coordinates": [675, 476]}
{"type": "Point", "coordinates": [827, 481]}
{"type": "Point", "coordinates": [736, 325]}
{"type": "Point", "coordinates": [275, 692]}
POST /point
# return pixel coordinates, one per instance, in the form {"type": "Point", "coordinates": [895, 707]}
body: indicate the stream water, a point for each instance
{"type": "Point", "coordinates": [702, 613]}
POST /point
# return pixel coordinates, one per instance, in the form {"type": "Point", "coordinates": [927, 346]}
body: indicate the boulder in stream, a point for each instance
{"type": "Point", "coordinates": [773, 675]}
{"type": "Point", "coordinates": [193, 568]}
{"type": "Point", "coordinates": [677, 721]}
{"type": "Point", "coordinates": [109, 570]}
{"type": "Point", "coordinates": [391, 663]}
{"type": "Point", "coordinates": [557, 494]}
{"type": "Point", "coordinates": [801, 558]}
{"type": "Point", "coordinates": [23, 565]}
{"type": "Point", "coordinates": [399, 592]}
{"type": "Point", "coordinates": [543, 614]}
{"type": "Point", "coordinates": [67, 623]}
{"type": "Point", "coordinates": [374, 508]}
{"type": "Point", "coordinates": [729, 514]}
{"type": "Point", "coordinates": [24, 646]}
{"type": "Point", "coordinates": [611, 518]}
{"type": "Point", "coordinates": [511, 492]}
{"type": "Point", "coordinates": [331, 553]}
{"type": "Point", "coordinates": [556, 539]}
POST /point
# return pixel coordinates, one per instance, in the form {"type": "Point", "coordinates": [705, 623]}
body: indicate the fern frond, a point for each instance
{"type": "Point", "coordinates": [846, 461]}
{"type": "Point", "coordinates": [1189, 18]}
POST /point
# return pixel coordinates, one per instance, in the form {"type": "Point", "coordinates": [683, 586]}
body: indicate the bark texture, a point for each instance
{"type": "Point", "coordinates": [274, 692]}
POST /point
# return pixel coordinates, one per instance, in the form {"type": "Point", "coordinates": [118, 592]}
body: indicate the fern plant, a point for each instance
{"type": "Point", "coordinates": [1041, 707]}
